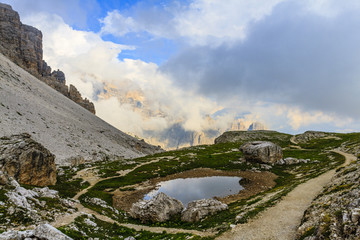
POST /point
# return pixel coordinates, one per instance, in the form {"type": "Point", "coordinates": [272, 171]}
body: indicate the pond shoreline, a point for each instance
{"type": "Point", "coordinates": [256, 183]}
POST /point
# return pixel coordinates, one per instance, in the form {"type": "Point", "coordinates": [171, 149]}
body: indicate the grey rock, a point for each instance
{"type": "Point", "coordinates": [309, 135]}
{"type": "Point", "coordinates": [355, 215]}
{"type": "Point", "coordinates": [27, 161]}
{"type": "Point", "coordinates": [337, 206]}
{"type": "Point", "coordinates": [4, 178]}
{"type": "Point", "coordinates": [158, 209]}
{"type": "Point", "coordinates": [130, 238]}
{"type": "Point", "coordinates": [196, 210]}
{"type": "Point", "coordinates": [261, 151]}
{"type": "Point", "coordinates": [291, 160]}
{"type": "Point", "coordinates": [246, 136]}
{"type": "Point", "coordinates": [48, 232]}
{"type": "Point", "coordinates": [17, 235]}
{"type": "Point", "coordinates": [19, 196]}
{"type": "Point", "coordinates": [46, 192]}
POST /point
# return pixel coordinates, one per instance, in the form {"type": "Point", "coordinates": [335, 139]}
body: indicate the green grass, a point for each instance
{"type": "Point", "coordinates": [105, 230]}
{"type": "Point", "coordinates": [66, 185]}
{"type": "Point", "coordinates": [222, 157]}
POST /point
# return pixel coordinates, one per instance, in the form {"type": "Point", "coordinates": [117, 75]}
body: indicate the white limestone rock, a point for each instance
{"type": "Point", "coordinates": [196, 210]}
{"type": "Point", "coordinates": [158, 209]}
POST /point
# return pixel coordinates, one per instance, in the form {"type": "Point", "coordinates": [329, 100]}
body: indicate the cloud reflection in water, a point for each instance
{"type": "Point", "coordinates": [189, 189]}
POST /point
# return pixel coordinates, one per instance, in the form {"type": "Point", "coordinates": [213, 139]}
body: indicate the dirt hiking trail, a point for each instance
{"type": "Point", "coordinates": [281, 221]}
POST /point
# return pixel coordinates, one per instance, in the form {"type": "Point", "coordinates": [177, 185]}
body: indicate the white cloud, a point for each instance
{"type": "Point", "coordinates": [202, 22]}
{"type": "Point", "coordinates": [92, 64]}
{"type": "Point", "coordinates": [298, 118]}
{"type": "Point", "coordinates": [209, 22]}
{"type": "Point", "coordinates": [118, 25]}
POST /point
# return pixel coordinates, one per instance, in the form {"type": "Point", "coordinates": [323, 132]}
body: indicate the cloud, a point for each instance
{"type": "Point", "coordinates": [214, 22]}
{"type": "Point", "coordinates": [294, 56]}
{"type": "Point", "coordinates": [133, 95]}
{"type": "Point", "coordinates": [74, 12]}
{"type": "Point", "coordinates": [291, 64]}
{"type": "Point", "coordinates": [201, 22]}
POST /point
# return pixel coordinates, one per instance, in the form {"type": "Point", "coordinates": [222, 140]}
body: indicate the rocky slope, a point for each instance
{"type": "Point", "coordinates": [240, 136]}
{"type": "Point", "coordinates": [23, 45]}
{"type": "Point", "coordinates": [335, 213]}
{"type": "Point", "coordinates": [28, 105]}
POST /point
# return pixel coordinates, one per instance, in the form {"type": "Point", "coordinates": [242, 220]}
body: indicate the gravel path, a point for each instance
{"type": "Point", "coordinates": [281, 221]}
{"type": "Point", "coordinates": [89, 175]}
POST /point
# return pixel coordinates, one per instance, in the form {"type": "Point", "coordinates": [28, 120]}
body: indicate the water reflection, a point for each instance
{"type": "Point", "coordinates": [189, 189]}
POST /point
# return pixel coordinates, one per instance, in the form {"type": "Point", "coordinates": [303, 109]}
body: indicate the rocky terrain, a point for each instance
{"type": "Point", "coordinates": [26, 161]}
{"type": "Point", "coordinates": [22, 44]}
{"type": "Point", "coordinates": [335, 213]}
{"type": "Point", "coordinates": [53, 186]}
{"type": "Point", "coordinates": [82, 203]}
{"type": "Point", "coordinates": [238, 136]}
{"type": "Point", "coordinates": [66, 129]}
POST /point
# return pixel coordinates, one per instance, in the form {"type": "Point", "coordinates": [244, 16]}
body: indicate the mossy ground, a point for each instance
{"type": "Point", "coordinates": [66, 185]}
{"type": "Point", "coordinates": [223, 156]}
{"type": "Point", "coordinates": [80, 229]}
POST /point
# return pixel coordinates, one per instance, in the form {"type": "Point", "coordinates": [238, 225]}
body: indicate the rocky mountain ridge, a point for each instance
{"type": "Point", "coordinates": [23, 45]}
{"type": "Point", "coordinates": [66, 129]}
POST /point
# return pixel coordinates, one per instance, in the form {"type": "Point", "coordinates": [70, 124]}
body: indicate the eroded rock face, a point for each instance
{"type": "Point", "coordinates": [44, 231]}
{"type": "Point", "coordinates": [158, 209]}
{"type": "Point", "coordinates": [23, 45]}
{"type": "Point", "coordinates": [196, 210]}
{"type": "Point", "coordinates": [309, 135]}
{"type": "Point", "coordinates": [261, 151]}
{"type": "Point", "coordinates": [27, 161]}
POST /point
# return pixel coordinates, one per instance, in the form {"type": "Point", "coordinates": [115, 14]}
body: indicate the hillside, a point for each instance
{"type": "Point", "coordinates": [106, 190]}
{"type": "Point", "coordinates": [62, 126]}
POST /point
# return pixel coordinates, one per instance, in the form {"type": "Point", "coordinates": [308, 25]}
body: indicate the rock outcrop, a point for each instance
{"type": "Point", "coordinates": [335, 212]}
{"type": "Point", "coordinates": [158, 209]}
{"type": "Point", "coordinates": [43, 232]}
{"type": "Point", "coordinates": [196, 210]}
{"type": "Point", "coordinates": [23, 45]}
{"type": "Point", "coordinates": [261, 151]}
{"type": "Point", "coordinates": [66, 129]}
{"type": "Point", "coordinates": [245, 136]}
{"type": "Point", "coordinates": [27, 161]}
{"type": "Point", "coordinates": [309, 135]}
{"type": "Point", "coordinates": [291, 161]}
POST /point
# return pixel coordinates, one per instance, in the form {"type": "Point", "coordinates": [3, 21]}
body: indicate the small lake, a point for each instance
{"type": "Point", "coordinates": [190, 189]}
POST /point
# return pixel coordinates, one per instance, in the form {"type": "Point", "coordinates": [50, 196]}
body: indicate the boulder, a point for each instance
{"type": "Point", "coordinates": [262, 151]}
{"type": "Point", "coordinates": [27, 161]}
{"type": "Point", "coordinates": [158, 209]}
{"type": "Point", "coordinates": [291, 160]}
{"type": "Point", "coordinates": [48, 232]}
{"type": "Point", "coordinates": [196, 210]}
{"type": "Point", "coordinates": [44, 232]}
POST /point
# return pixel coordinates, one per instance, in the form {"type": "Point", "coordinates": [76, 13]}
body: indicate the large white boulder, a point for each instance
{"type": "Point", "coordinates": [262, 151]}
{"type": "Point", "coordinates": [196, 210]}
{"type": "Point", "coordinates": [158, 209]}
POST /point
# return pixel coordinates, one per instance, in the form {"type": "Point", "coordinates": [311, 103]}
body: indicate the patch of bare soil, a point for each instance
{"type": "Point", "coordinates": [253, 183]}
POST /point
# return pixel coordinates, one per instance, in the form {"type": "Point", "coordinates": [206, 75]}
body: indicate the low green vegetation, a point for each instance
{"type": "Point", "coordinates": [85, 228]}
{"type": "Point", "coordinates": [67, 185]}
{"type": "Point", "coordinates": [222, 156]}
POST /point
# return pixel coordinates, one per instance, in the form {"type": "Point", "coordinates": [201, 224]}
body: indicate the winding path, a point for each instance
{"type": "Point", "coordinates": [88, 175]}
{"type": "Point", "coordinates": [281, 221]}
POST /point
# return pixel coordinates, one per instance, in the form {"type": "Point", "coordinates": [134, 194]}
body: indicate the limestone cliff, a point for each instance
{"type": "Point", "coordinates": [23, 45]}
{"type": "Point", "coordinates": [27, 161]}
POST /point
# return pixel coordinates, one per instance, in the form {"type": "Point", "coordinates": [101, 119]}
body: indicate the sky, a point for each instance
{"type": "Point", "coordinates": [290, 64]}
